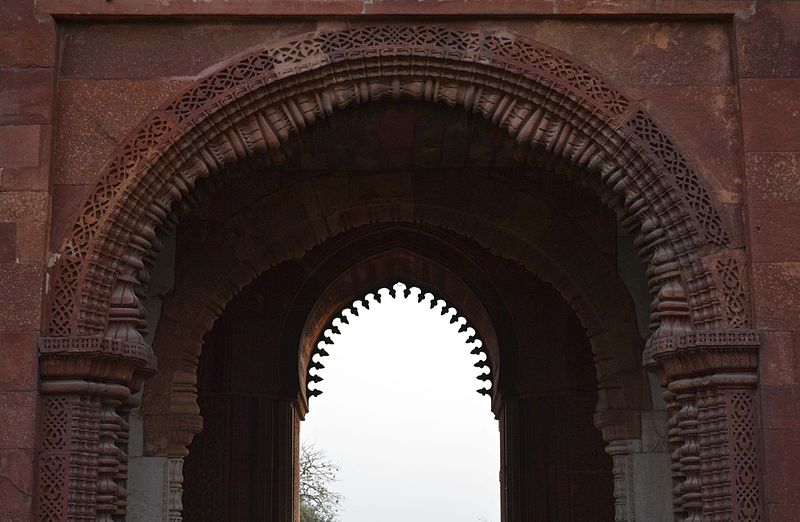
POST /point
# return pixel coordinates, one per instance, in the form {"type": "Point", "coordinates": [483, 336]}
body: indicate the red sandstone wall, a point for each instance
{"type": "Point", "coordinates": [27, 60]}
{"type": "Point", "coordinates": [727, 88]}
{"type": "Point", "coordinates": [768, 80]}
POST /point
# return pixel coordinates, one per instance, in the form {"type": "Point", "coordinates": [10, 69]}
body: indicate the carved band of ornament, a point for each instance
{"type": "Point", "coordinates": [94, 345]}
{"type": "Point", "coordinates": [95, 358]}
{"type": "Point", "coordinates": [700, 353]}
{"type": "Point", "coordinates": [713, 339]}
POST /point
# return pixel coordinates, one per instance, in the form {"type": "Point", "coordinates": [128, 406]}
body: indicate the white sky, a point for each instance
{"type": "Point", "coordinates": [401, 417]}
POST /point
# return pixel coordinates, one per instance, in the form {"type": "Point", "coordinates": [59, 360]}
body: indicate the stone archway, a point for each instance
{"type": "Point", "coordinates": [253, 104]}
{"type": "Point", "coordinates": [395, 261]}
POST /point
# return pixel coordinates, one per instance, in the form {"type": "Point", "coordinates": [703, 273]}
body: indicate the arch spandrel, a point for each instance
{"type": "Point", "coordinates": [253, 104]}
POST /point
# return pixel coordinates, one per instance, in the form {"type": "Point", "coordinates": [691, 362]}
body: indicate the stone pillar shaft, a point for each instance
{"type": "Point", "coordinates": [621, 452]}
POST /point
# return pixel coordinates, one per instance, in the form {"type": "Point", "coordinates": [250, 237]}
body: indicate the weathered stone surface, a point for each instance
{"type": "Point", "coordinates": [25, 96]}
{"type": "Point", "coordinates": [8, 242]}
{"type": "Point", "coordinates": [161, 50]}
{"type": "Point", "coordinates": [28, 38]}
{"type": "Point", "coordinates": [773, 176]}
{"type": "Point", "coordinates": [773, 231]}
{"type": "Point", "coordinates": [18, 411]}
{"type": "Point", "coordinates": [19, 145]}
{"type": "Point", "coordinates": [776, 286]}
{"type": "Point", "coordinates": [781, 405]}
{"type": "Point", "coordinates": [640, 53]}
{"type": "Point", "coordinates": [768, 42]}
{"type": "Point", "coordinates": [16, 483]}
{"type": "Point", "coordinates": [35, 174]}
{"type": "Point", "coordinates": [782, 457]}
{"type": "Point", "coordinates": [19, 355]}
{"type": "Point", "coordinates": [783, 512]}
{"type": "Point", "coordinates": [20, 296]}
{"type": "Point", "coordinates": [393, 7]}
{"type": "Point", "coordinates": [770, 114]}
{"type": "Point", "coordinates": [779, 358]}
{"type": "Point", "coordinates": [31, 242]}
{"type": "Point", "coordinates": [703, 120]}
{"type": "Point", "coordinates": [23, 206]}
{"type": "Point", "coordinates": [95, 116]}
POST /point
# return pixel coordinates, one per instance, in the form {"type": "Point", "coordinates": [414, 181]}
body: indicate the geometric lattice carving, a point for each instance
{"type": "Point", "coordinates": [52, 497]}
{"type": "Point", "coordinates": [733, 293]}
{"type": "Point", "coordinates": [727, 462]}
{"type": "Point", "coordinates": [682, 175]}
{"type": "Point", "coordinates": [55, 434]}
{"type": "Point", "coordinates": [745, 466]}
{"type": "Point", "coordinates": [53, 460]}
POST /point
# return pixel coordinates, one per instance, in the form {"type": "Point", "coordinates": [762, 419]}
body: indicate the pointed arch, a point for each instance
{"type": "Point", "coordinates": [253, 104]}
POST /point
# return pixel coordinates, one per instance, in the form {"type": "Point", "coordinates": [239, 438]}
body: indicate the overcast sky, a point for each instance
{"type": "Point", "coordinates": [401, 417]}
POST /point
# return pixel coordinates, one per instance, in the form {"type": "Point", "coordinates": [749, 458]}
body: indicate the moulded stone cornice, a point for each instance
{"type": "Point", "coordinates": [176, 430]}
{"type": "Point", "coordinates": [79, 387]}
{"type": "Point", "coordinates": [720, 380]}
{"type": "Point", "coordinates": [95, 358]}
{"type": "Point", "coordinates": [704, 353]}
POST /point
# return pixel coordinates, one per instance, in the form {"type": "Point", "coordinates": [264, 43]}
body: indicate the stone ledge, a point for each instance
{"type": "Point", "coordinates": [83, 8]}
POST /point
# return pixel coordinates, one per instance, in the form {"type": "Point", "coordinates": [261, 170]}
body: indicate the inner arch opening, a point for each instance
{"type": "Point", "coordinates": [399, 414]}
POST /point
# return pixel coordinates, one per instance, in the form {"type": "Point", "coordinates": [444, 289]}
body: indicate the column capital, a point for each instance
{"type": "Point", "coordinates": [95, 358]}
{"type": "Point", "coordinates": [703, 352]}
{"type": "Point", "coordinates": [170, 434]}
{"type": "Point", "coordinates": [619, 424]}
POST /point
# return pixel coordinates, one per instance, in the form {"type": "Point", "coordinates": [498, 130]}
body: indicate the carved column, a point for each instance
{"type": "Point", "coordinates": [175, 500]}
{"type": "Point", "coordinates": [86, 395]}
{"type": "Point", "coordinates": [621, 452]}
{"type": "Point", "coordinates": [711, 380]}
{"type": "Point", "coordinates": [178, 430]}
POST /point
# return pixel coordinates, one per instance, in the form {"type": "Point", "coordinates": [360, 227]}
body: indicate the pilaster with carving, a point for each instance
{"type": "Point", "coordinates": [86, 396]}
{"type": "Point", "coordinates": [175, 477]}
{"type": "Point", "coordinates": [621, 452]}
{"type": "Point", "coordinates": [711, 383]}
